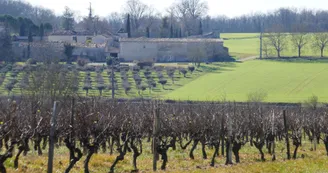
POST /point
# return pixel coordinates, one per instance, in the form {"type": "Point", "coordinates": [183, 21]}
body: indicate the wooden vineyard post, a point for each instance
{"type": "Point", "coordinates": [273, 142]}
{"type": "Point", "coordinates": [229, 141]}
{"type": "Point", "coordinates": [287, 137]}
{"type": "Point", "coordinates": [155, 137]}
{"type": "Point", "coordinates": [72, 135]}
{"type": "Point", "coordinates": [51, 138]}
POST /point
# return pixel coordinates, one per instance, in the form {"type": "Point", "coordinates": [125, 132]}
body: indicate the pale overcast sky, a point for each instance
{"type": "Point", "coordinates": [229, 8]}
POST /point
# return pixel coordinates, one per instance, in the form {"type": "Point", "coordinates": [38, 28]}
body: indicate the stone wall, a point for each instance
{"type": "Point", "coordinates": [170, 50]}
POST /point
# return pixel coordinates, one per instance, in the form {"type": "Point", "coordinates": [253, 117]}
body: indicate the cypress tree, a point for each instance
{"type": "Point", "coordinates": [171, 31]}
{"type": "Point", "coordinates": [177, 33]}
{"type": "Point", "coordinates": [128, 27]}
{"type": "Point", "coordinates": [147, 32]}
{"type": "Point", "coordinates": [30, 37]}
{"type": "Point", "coordinates": [200, 28]}
{"type": "Point", "coordinates": [22, 27]}
{"type": "Point", "coordinates": [180, 33]}
{"type": "Point", "coordinates": [41, 31]}
{"type": "Point", "coordinates": [6, 52]}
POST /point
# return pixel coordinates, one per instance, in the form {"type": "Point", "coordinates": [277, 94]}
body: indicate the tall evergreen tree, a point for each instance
{"type": "Point", "coordinates": [165, 33]}
{"type": "Point", "coordinates": [147, 32]}
{"type": "Point", "coordinates": [128, 26]}
{"type": "Point", "coordinates": [30, 40]}
{"type": "Point", "coordinates": [22, 26]}
{"type": "Point", "coordinates": [30, 36]}
{"type": "Point", "coordinates": [200, 28]}
{"type": "Point", "coordinates": [6, 52]}
{"type": "Point", "coordinates": [68, 51]}
{"type": "Point", "coordinates": [176, 33]}
{"type": "Point", "coordinates": [180, 33]}
{"type": "Point", "coordinates": [171, 32]}
{"type": "Point", "coordinates": [41, 31]}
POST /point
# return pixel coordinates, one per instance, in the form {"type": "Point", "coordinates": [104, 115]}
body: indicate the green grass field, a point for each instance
{"type": "Point", "coordinates": [243, 45]}
{"type": "Point", "coordinates": [283, 82]}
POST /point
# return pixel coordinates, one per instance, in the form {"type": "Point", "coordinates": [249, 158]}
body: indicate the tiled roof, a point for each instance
{"type": "Point", "coordinates": [70, 32]}
{"type": "Point", "coordinates": [178, 40]}
{"type": "Point", "coordinates": [59, 44]}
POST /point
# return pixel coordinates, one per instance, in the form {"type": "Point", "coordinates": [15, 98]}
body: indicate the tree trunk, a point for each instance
{"type": "Point", "coordinates": [203, 149]}
{"type": "Point", "coordinates": [216, 153]}
{"type": "Point", "coordinates": [20, 150]}
{"type": "Point", "coordinates": [136, 154]}
{"type": "Point", "coordinates": [92, 150]}
{"type": "Point", "coordinates": [236, 147]}
{"type": "Point", "coordinates": [72, 151]}
{"type": "Point", "coordinates": [321, 50]}
{"type": "Point", "coordinates": [191, 154]}
{"type": "Point", "coordinates": [326, 143]}
{"type": "Point", "coordinates": [297, 144]}
{"type": "Point", "coordinates": [299, 52]}
{"type": "Point", "coordinates": [259, 145]}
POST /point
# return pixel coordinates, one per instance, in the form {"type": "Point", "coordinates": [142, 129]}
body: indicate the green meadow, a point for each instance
{"type": "Point", "coordinates": [282, 81]}
{"type": "Point", "coordinates": [244, 45]}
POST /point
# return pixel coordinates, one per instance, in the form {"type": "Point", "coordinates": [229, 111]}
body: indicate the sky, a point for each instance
{"type": "Point", "coordinates": [230, 8]}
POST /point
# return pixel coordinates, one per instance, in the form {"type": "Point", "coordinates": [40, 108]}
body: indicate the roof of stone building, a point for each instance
{"type": "Point", "coordinates": [71, 32]}
{"type": "Point", "coordinates": [1, 27]}
{"type": "Point", "coordinates": [60, 44]}
{"type": "Point", "coordinates": [177, 40]}
{"type": "Point", "coordinates": [121, 30]}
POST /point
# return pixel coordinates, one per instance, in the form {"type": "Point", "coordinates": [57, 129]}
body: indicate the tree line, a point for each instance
{"type": "Point", "coordinates": [183, 18]}
{"type": "Point", "coordinates": [276, 40]}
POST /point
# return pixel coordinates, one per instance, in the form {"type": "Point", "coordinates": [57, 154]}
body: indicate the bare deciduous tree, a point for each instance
{"type": "Point", "coordinates": [277, 39]}
{"type": "Point", "coordinates": [299, 38]}
{"type": "Point", "coordinates": [197, 53]}
{"type": "Point", "coordinates": [320, 42]}
{"type": "Point", "coordinates": [189, 11]}
{"type": "Point", "coordinates": [140, 13]}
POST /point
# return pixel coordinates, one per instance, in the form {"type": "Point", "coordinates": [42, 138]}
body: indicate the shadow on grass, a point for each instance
{"type": "Point", "coordinates": [298, 59]}
{"type": "Point", "coordinates": [217, 67]}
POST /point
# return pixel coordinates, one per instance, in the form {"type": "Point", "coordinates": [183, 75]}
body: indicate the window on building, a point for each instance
{"type": "Point", "coordinates": [89, 39]}
{"type": "Point", "coordinates": [75, 39]}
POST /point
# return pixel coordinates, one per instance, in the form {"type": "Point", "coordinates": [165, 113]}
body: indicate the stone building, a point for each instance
{"type": "Point", "coordinates": [170, 49]}
{"type": "Point", "coordinates": [78, 37]}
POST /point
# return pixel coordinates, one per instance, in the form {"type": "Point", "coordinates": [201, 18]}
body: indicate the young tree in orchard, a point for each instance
{"type": "Point", "coordinates": [68, 19]}
{"type": "Point", "coordinates": [300, 37]}
{"type": "Point", "coordinates": [68, 51]}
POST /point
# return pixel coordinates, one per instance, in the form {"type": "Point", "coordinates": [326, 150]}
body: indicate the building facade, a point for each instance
{"type": "Point", "coordinates": [170, 49]}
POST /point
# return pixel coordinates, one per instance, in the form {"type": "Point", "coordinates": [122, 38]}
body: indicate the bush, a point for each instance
{"type": "Point", "coordinates": [109, 61]}
{"type": "Point", "coordinates": [82, 62]}
{"type": "Point", "coordinates": [144, 64]}
{"type": "Point", "coordinates": [191, 69]}
{"type": "Point", "coordinates": [162, 82]}
{"type": "Point", "coordinates": [30, 61]}
{"type": "Point", "coordinates": [312, 102]}
{"type": "Point", "coordinates": [183, 71]}
{"type": "Point", "coordinates": [257, 96]}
